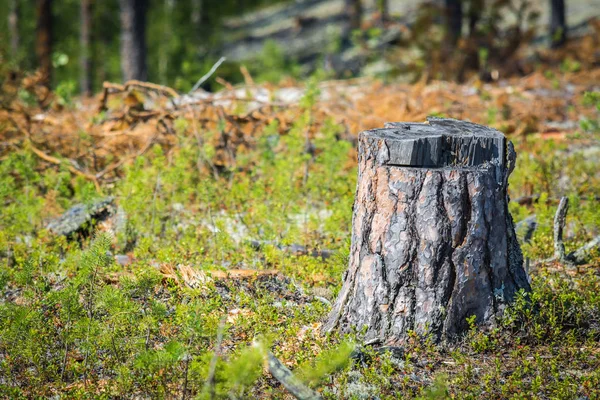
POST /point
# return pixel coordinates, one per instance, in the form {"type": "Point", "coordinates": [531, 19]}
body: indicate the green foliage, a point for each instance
{"type": "Point", "coordinates": [244, 370]}
{"type": "Point", "coordinates": [590, 124]}
{"type": "Point", "coordinates": [272, 65]}
{"type": "Point", "coordinates": [143, 334]}
{"type": "Point", "coordinates": [327, 363]}
{"type": "Point", "coordinates": [74, 322]}
{"type": "Point", "coordinates": [180, 50]}
{"type": "Point", "coordinates": [438, 390]}
{"type": "Point", "coordinates": [570, 65]}
{"type": "Point", "coordinates": [65, 91]}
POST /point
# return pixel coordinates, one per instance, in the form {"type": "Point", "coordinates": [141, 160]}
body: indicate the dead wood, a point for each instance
{"type": "Point", "coordinates": [111, 88]}
{"type": "Point", "coordinates": [289, 381]}
{"type": "Point", "coordinates": [70, 167]}
{"type": "Point", "coordinates": [433, 242]}
{"type": "Point", "coordinates": [582, 255]}
{"type": "Point", "coordinates": [559, 225]}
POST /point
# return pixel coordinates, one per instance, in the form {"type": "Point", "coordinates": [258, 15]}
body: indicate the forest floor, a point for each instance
{"type": "Point", "coordinates": [225, 232]}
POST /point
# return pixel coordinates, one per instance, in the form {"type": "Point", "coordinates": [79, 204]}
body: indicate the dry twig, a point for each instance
{"type": "Point", "coordinates": [110, 88]}
{"type": "Point", "coordinates": [208, 74]}
{"type": "Point", "coordinates": [577, 257]}
{"type": "Point", "coordinates": [123, 160]}
{"type": "Point", "coordinates": [71, 168]}
{"type": "Point", "coordinates": [247, 77]}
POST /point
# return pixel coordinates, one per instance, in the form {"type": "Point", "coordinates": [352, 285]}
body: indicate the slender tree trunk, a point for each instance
{"type": "Point", "coordinates": [384, 10]}
{"type": "Point", "coordinates": [454, 17]}
{"type": "Point", "coordinates": [101, 46]}
{"type": "Point", "coordinates": [196, 15]}
{"type": "Point", "coordinates": [475, 9]}
{"type": "Point", "coordinates": [354, 10]}
{"type": "Point", "coordinates": [13, 27]}
{"type": "Point", "coordinates": [85, 78]}
{"type": "Point", "coordinates": [558, 23]}
{"type": "Point", "coordinates": [43, 41]}
{"type": "Point", "coordinates": [133, 39]}
{"type": "Point", "coordinates": [433, 242]}
{"type": "Point", "coordinates": [165, 54]}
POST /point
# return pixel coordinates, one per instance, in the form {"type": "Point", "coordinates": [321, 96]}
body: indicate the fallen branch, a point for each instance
{"type": "Point", "coordinates": [582, 255]}
{"type": "Point", "coordinates": [528, 226]}
{"type": "Point", "coordinates": [71, 168]}
{"type": "Point", "coordinates": [577, 257]}
{"type": "Point", "coordinates": [110, 88]}
{"type": "Point", "coordinates": [559, 226]}
{"type": "Point", "coordinates": [289, 381]}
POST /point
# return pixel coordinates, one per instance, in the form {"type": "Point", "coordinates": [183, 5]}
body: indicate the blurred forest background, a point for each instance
{"type": "Point", "coordinates": [77, 45]}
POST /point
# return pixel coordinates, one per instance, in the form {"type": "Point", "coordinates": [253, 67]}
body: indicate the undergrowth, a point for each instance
{"type": "Point", "coordinates": [75, 323]}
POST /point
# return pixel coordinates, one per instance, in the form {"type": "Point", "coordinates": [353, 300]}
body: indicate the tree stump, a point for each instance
{"type": "Point", "coordinates": [433, 242]}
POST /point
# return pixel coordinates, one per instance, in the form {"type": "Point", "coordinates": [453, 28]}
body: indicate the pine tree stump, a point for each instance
{"type": "Point", "coordinates": [433, 242]}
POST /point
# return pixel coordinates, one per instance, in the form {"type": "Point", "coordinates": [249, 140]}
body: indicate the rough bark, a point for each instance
{"type": "Point", "coordinates": [43, 40]}
{"type": "Point", "coordinates": [558, 23]}
{"type": "Point", "coordinates": [13, 27]}
{"type": "Point", "coordinates": [133, 39]}
{"type": "Point", "coordinates": [433, 242]}
{"type": "Point", "coordinates": [85, 73]}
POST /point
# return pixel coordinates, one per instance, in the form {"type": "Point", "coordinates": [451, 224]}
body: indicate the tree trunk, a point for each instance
{"type": "Point", "coordinates": [13, 28]}
{"type": "Point", "coordinates": [354, 10]}
{"type": "Point", "coordinates": [558, 23]}
{"type": "Point", "coordinates": [133, 39]}
{"type": "Point", "coordinates": [384, 10]}
{"type": "Point", "coordinates": [475, 10]}
{"type": "Point", "coordinates": [433, 242]}
{"type": "Point", "coordinates": [196, 14]}
{"type": "Point", "coordinates": [43, 40]}
{"type": "Point", "coordinates": [454, 17]}
{"type": "Point", "coordinates": [165, 54]}
{"type": "Point", "coordinates": [85, 77]}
